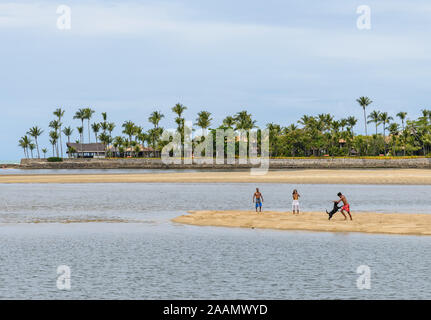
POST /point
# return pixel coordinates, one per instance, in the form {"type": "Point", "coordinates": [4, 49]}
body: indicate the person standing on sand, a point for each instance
{"type": "Point", "coordinates": [346, 206]}
{"type": "Point", "coordinates": [258, 199]}
{"type": "Point", "coordinates": [295, 202]}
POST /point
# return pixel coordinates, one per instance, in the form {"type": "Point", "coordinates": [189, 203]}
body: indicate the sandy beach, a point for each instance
{"type": "Point", "coordinates": [306, 176]}
{"type": "Point", "coordinates": [365, 222]}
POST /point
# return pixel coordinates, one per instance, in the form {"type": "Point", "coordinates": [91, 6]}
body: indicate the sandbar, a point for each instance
{"type": "Point", "coordinates": [365, 222]}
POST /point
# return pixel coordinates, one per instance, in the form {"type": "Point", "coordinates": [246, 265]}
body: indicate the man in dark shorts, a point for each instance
{"type": "Point", "coordinates": [346, 206]}
{"type": "Point", "coordinates": [258, 199]}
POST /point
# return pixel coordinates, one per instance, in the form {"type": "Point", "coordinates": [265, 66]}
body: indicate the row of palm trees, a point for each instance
{"type": "Point", "coordinates": [317, 135]}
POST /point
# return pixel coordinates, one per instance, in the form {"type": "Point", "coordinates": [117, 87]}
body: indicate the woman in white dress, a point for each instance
{"type": "Point", "coordinates": [295, 202]}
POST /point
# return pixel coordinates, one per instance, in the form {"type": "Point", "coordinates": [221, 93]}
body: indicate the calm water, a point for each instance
{"type": "Point", "coordinates": [135, 252]}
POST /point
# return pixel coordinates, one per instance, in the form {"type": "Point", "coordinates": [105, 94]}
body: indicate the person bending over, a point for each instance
{"type": "Point", "coordinates": [346, 206]}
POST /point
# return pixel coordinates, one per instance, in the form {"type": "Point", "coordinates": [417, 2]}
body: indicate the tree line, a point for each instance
{"type": "Point", "coordinates": [319, 135]}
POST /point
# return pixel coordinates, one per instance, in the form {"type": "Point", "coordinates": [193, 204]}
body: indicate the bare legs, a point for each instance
{"type": "Point", "coordinates": [345, 218]}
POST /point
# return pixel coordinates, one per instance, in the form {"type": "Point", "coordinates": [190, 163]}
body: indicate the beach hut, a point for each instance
{"type": "Point", "coordinates": [86, 150]}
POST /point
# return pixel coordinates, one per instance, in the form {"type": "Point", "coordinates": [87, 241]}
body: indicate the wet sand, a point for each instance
{"type": "Point", "coordinates": [365, 222]}
{"type": "Point", "coordinates": [306, 176]}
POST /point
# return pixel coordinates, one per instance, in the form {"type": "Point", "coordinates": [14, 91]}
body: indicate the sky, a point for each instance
{"type": "Point", "coordinates": [278, 59]}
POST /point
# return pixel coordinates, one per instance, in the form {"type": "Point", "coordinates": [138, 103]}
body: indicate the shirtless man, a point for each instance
{"type": "Point", "coordinates": [258, 199]}
{"type": "Point", "coordinates": [345, 207]}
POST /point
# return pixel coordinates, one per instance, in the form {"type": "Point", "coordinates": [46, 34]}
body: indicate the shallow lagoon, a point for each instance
{"type": "Point", "coordinates": [141, 254]}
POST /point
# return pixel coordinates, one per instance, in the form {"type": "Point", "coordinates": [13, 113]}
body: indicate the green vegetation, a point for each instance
{"type": "Point", "coordinates": [312, 136]}
{"type": "Point", "coordinates": [54, 159]}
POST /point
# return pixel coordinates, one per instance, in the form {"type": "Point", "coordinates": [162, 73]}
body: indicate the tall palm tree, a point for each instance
{"type": "Point", "coordinates": [81, 115]}
{"type": "Point", "coordinates": [402, 115]}
{"type": "Point", "coordinates": [59, 113]}
{"type": "Point", "coordinates": [95, 127]}
{"type": "Point", "coordinates": [88, 114]}
{"type": "Point", "coordinates": [385, 119]}
{"type": "Point", "coordinates": [394, 130]}
{"type": "Point", "coordinates": [204, 121]}
{"type": "Point", "coordinates": [178, 109]}
{"type": "Point", "coordinates": [55, 124]}
{"type": "Point", "coordinates": [374, 117]}
{"type": "Point", "coordinates": [155, 118]}
{"type": "Point", "coordinates": [35, 132]}
{"type": "Point", "coordinates": [364, 102]}
{"type": "Point", "coordinates": [81, 137]}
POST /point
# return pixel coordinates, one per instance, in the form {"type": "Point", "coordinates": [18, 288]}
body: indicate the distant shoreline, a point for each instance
{"type": "Point", "coordinates": [363, 222]}
{"type": "Point", "coordinates": [274, 163]}
{"type": "Point", "coordinates": [293, 176]}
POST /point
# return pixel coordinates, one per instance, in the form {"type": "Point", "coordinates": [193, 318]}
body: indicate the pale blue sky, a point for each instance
{"type": "Point", "coordinates": [278, 59]}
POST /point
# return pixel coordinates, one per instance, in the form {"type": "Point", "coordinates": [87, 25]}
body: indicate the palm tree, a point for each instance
{"type": "Point", "coordinates": [129, 130]}
{"type": "Point", "coordinates": [204, 121]}
{"type": "Point", "coordinates": [59, 113]}
{"type": "Point", "coordinates": [374, 117]}
{"type": "Point", "coordinates": [343, 124]}
{"type": "Point", "coordinates": [244, 121]}
{"type": "Point", "coordinates": [88, 113]}
{"type": "Point", "coordinates": [117, 143]}
{"type": "Point", "coordinates": [81, 137]}
{"type": "Point", "coordinates": [351, 121]}
{"type": "Point", "coordinates": [44, 151]}
{"type": "Point", "coordinates": [229, 122]}
{"type": "Point", "coordinates": [35, 132]}
{"type": "Point", "coordinates": [31, 146]}
{"type": "Point", "coordinates": [55, 124]}
{"type": "Point", "coordinates": [385, 119]}
{"type": "Point", "coordinates": [402, 115]}
{"type": "Point", "coordinates": [326, 119]}
{"type": "Point", "coordinates": [178, 109]}
{"type": "Point", "coordinates": [96, 127]}
{"type": "Point", "coordinates": [394, 130]}
{"type": "Point", "coordinates": [24, 143]}
{"type": "Point", "coordinates": [68, 131]}
{"type": "Point", "coordinates": [81, 115]}
{"type": "Point", "coordinates": [54, 139]}
{"type": "Point", "coordinates": [364, 102]}
{"type": "Point", "coordinates": [155, 118]}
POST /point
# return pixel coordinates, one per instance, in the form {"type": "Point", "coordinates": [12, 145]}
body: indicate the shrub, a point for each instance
{"type": "Point", "coordinates": [54, 159]}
